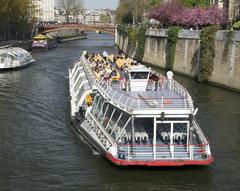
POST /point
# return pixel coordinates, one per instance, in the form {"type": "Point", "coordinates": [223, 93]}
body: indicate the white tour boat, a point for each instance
{"type": "Point", "coordinates": [143, 118]}
{"type": "Point", "coordinates": [14, 58]}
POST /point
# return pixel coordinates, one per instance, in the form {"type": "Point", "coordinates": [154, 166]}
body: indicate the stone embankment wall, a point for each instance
{"type": "Point", "coordinates": [226, 72]}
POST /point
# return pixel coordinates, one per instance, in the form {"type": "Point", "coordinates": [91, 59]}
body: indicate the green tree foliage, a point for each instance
{"type": "Point", "coordinates": [124, 13]}
{"type": "Point", "coordinates": [70, 7]}
{"type": "Point", "coordinates": [16, 18]}
{"type": "Point", "coordinates": [153, 3]}
{"type": "Point", "coordinates": [105, 18]}
{"type": "Point", "coordinates": [196, 3]}
{"type": "Point", "coordinates": [136, 38]}
{"type": "Point", "coordinates": [131, 11]}
{"type": "Point", "coordinates": [172, 41]}
{"type": "Point", "coordinates": [15, 10]}
{"type": "Point", "coordinates": [236, 25]}
{"type": "Point", "coordinates": [141, 41]}
{"type": "Point", "coordinates": [207, 52]}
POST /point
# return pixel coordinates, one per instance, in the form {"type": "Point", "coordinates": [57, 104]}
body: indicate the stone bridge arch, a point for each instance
{"type": "Point", "coordinates": [71, 29]}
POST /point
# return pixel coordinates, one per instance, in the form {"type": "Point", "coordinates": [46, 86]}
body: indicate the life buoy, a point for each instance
{"type": "Point", "coordinates": [167, 101]}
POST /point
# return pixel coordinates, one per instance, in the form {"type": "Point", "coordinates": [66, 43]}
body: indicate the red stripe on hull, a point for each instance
{"type": "Point", "coordinates": [158, 162]}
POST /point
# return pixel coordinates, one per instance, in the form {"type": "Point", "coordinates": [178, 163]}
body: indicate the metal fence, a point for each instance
{"type": "Point", "coordinates": [163, 151]}
{"type": "Point", "coordinates": [15, 31]}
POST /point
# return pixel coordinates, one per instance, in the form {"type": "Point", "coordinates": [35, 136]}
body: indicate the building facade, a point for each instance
{"type": "Point", "coordinates": [232, 7]}
{"type": "Point", "coordinates": [44, 10]}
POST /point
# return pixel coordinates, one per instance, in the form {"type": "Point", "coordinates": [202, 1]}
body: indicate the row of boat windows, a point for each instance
{"type": "Point", "coordinates": [139, 75]}
{"type": "Point", "coordinates": [114, 119]}
{"type": "Point", "coordinates": [10, 57]}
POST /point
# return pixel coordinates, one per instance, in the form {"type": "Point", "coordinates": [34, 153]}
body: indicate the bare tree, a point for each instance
{"type": "Point", "coordinates": [70, 7]}
{"type": "Point", "coordinates": [77, 8]}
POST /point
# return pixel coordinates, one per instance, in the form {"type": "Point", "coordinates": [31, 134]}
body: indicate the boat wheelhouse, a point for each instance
{"type": "Point", "coordinates": [141, 119]}
{"type": "Point", "coordinates": [14, 58]}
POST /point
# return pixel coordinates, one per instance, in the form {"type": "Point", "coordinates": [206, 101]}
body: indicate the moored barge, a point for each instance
{"type": "Point", "coordinates": [133, 115]}
{"type": "Point", "coordinates": [43, 43]}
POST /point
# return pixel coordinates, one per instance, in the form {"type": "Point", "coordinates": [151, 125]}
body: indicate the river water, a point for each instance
{"type": "Point", "coordinates": [39, 150]}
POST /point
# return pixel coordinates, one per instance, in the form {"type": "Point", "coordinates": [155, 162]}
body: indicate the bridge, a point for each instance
{"type": "Point", "coordinates": [49, 28]}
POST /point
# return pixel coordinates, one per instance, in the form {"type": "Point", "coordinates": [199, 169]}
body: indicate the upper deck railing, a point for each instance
{"type": "Point", "coordinates": [113, 92]}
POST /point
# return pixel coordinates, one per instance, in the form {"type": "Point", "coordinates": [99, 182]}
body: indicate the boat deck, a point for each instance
{"type": "Point", "coordinates": [150, 99]}
{"type": "Point", "coordinates": [159, 95]}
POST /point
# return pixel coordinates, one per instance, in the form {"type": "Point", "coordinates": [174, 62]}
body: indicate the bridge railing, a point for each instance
{"type": "Point", "coordinates": [73, 25]}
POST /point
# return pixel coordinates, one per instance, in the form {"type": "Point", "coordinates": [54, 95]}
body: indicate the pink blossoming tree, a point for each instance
{"type": "Point", "coordinates": [173, 13]}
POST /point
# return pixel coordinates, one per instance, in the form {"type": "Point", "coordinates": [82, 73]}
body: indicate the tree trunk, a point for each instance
{"type": "Point", "coordinates": [67, 16]}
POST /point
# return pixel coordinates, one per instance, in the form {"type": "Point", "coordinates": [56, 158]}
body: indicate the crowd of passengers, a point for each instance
{"type": "Point", "coordinates": [104, 68]}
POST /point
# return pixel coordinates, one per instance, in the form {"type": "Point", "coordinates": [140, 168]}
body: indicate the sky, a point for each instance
{"type": "Point", "coordinates": [100, 4]}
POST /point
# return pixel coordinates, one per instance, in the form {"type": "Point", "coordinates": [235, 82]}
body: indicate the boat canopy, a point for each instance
{"type": "Point", "coordinates": [42, 37]}
{"type": "Point", "coordinates": [14, 52]}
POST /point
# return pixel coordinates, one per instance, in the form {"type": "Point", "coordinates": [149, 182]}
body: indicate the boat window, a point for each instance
{"type": "Point", "coordinates": [139, 75]}
{"type": "Point", "coordinates": [4, 55]}
{"type": "Point", "coordinates": [11, 57]}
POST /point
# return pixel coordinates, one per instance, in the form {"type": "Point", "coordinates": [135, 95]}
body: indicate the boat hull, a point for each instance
{"type": "Point", "coordinates": [41, 49]}
{"type": "Point", "coordinates": [87, 137]}
{"type": "Point", "coordinates": [158, 162]}
{"type": "Point", "coordinates": [67, 39]}
{"type": "Point", "coordinates": [17, 67]}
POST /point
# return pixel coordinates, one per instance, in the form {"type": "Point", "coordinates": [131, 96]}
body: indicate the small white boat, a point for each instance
{"type": "Point", "coordinates": [14, 58]}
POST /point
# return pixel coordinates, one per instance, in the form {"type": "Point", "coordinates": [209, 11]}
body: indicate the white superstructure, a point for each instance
{"type": "Point", "coordinates": [44, 10]}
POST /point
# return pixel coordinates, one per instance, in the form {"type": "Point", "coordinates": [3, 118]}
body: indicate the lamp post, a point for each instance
{"type": "Point", "coordinates": [134, 11]}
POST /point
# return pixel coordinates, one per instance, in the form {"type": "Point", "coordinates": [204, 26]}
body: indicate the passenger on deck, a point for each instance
{"type": "Point", "coordinates": [105, 75]}
{"type": "Point", "coordinates": [170, 78]}
{"type": "Point", "coordinates": [105, 55]}
{"type": "Point", "coordinates": [114, 73]}
{"type": "Point", "coordinates": [100, 66]}
{"type": "Point", "coordinates": [109, 71]}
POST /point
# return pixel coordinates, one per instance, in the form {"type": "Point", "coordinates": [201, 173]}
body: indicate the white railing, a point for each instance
{"type": "Point", "coordinates": [130, 102]}
{"type": "Point", "coordinates": [169, 152]}
{"type": "Point", "coordinates": [101, 129]}
{"type": "Point", "coordinates": [200, 133]}
{"type": "Point", "coordinates": [124, 100]}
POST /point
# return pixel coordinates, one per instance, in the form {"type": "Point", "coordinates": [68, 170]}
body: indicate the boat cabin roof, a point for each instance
{"type": "Point", "coordinates": [14, 51]}
{"type": "Point", "coordinates": [138, 68]}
